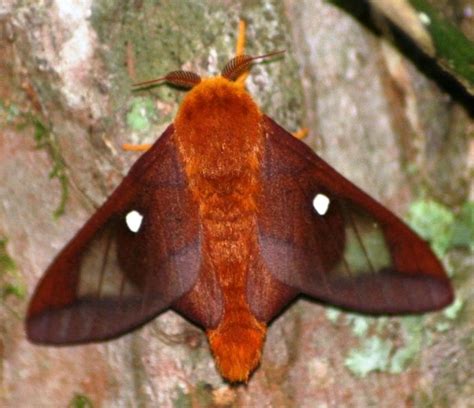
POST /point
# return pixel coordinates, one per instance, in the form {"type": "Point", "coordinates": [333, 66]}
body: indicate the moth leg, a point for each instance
{"type": "Point", "coordinates": [240, 49]}
{"type": "Point", "coordinates": [301, 133]}
{"type": "Point", "coordinates": [240, 45]}
{"type": "Point", "coordinates": [136, 148]}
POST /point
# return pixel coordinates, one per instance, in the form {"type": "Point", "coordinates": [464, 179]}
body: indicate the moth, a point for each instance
{"type": "Point", "coordinates": [226, 219]}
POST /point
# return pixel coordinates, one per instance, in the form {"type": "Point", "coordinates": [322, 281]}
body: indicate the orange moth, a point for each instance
{"type": "Point", "coordinates": [226, 219]}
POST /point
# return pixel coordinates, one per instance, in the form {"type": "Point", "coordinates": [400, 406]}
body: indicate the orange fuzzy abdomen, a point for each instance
{"type": "Point", "coordinates": [219, 136]}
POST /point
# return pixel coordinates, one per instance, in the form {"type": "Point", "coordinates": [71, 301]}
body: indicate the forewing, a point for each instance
{"type": "Point", "coordinates": [355, 253]}
{"type": "Point", "coordinates": [109, 279]}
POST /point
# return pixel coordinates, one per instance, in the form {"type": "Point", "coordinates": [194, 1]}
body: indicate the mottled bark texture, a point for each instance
{"type": "Point", "coordinates": [383, 115]}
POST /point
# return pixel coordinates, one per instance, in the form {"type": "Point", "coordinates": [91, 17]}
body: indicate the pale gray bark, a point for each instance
{"type": "Point", "coordinates": [372, 114]}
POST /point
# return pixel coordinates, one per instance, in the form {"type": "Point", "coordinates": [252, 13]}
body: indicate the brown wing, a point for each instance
{"type": "Point", "coordinates": [355, 253]}
{"type": "Point", "coordinates": [110, 279]}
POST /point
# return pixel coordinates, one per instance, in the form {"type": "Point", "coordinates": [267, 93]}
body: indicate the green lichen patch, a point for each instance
{"type": "Point", "coordinates": [10, 280]}
{"type": "Point", "coordinates": [141, 114]}
{"type": "Point", "coordinates": [451, 314]}
{"type": "Point", "coordinates": [439, 225]}
{"type": "Point", "coordinates": [80, 401]}
{"type": "Point", "coordinates": [413, 335]}
{"type": "Point", "coordinates": [379, 353]}
{"type": "Point", "coordinates": [433, 221]}
{"type": "Point", "coordinates": [45, 139]}
{"type": "Point", "coordinates": [463, 227]}
{"type": "Point", "coordinates": [372, 355]}
{"type": "Point", "coordinates": [7, 264]}
{"type": "Point", "coordinates": [359, 324]}
{"type": "Point", "coordinates": [332, 314]}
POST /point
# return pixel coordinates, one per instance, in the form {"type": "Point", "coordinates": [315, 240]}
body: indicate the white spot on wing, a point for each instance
{"type": "Point", "coordinates": [321, 203]}
{"type": "Point", "coordinates": [134, 220]}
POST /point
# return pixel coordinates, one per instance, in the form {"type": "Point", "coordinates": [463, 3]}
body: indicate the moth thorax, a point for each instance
{"type": "Point", "coordinates": [218, 126]}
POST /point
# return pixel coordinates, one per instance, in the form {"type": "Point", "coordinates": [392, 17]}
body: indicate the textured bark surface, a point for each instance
{"type": "Point", "coordinates": [390, 125]}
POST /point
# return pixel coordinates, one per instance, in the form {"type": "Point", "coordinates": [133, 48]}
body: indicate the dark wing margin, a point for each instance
{"type": "Point", "coordinates": [355, 253]}
{"type": "Point", "coordinates": [109, 279]}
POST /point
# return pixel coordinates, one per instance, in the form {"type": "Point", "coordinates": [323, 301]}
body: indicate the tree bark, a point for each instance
{"type": "Point", "coordinates": [376, 112]}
